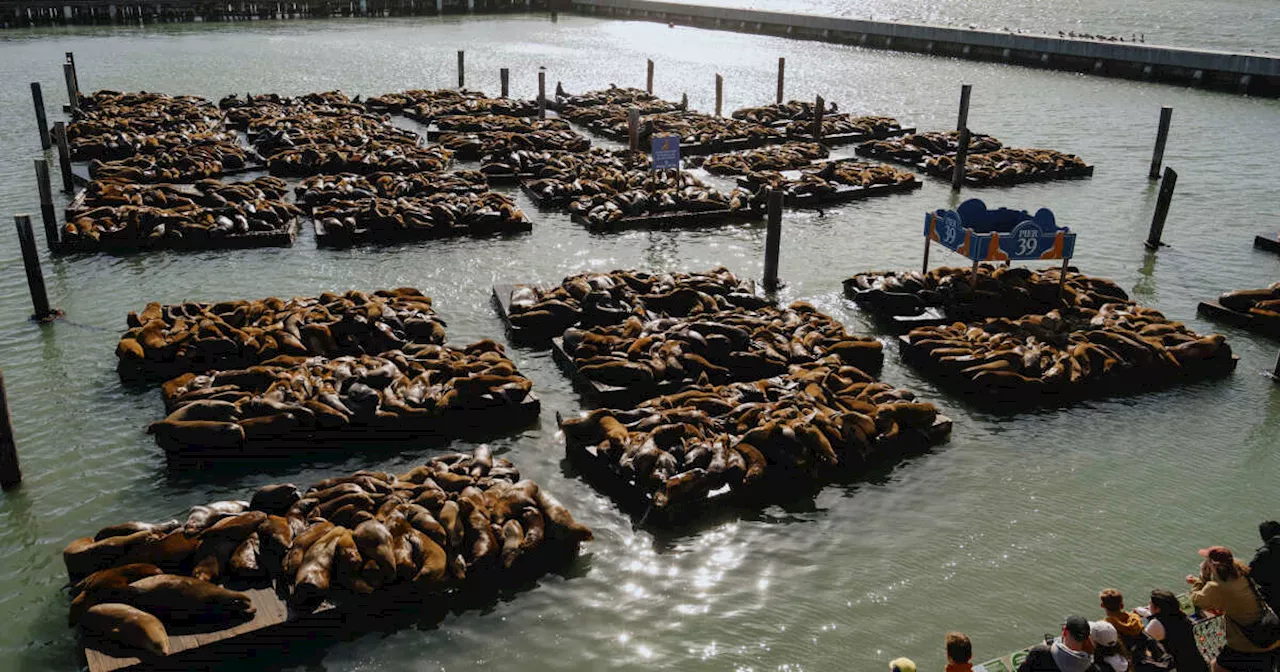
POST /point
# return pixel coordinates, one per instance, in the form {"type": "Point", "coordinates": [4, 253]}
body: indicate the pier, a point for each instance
{"type": "Point", "coordinates": [1253, 74]}
{"type": "Point", "coordinates": [27, 13]}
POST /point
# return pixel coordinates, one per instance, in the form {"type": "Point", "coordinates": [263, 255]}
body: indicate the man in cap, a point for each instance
{"type": "Point", "coordinates": [1069, 652]}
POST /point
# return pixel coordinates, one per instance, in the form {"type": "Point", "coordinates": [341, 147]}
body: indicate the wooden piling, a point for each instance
{"type": "Point", "coordinates": [633, 129]}
{"type": "Point", "coordinates": [773, 240]}
{"type": "Point", "coordinates": [73, 96]}
{"type": "Point", "coordinates": [782, 69]}
{"type": "Point", "coordinates": [1162, 134]}
{"type": "Point", "coordinates": [31, 261]}
{"type": "Point", "coordinates": [719, 93]}
{"type": "Point", "coordinates": [819, 110]}
{"type": "Point", "coordinates": [924, 266]}
{"type": "Point", "coordinates": [962, 126]}
{"type": "Point", "coordinates": [1162, 208]}
{"type": "Point", "coordinates": [75, 74]}
{"type": "Point", "coordinates": [504, 76]}
{"type": "Point", "coordinates": [47, 214]}
{"type": "Point", "coordinates": [462, 69]}
{"type": "Point", "coordinates": [10, 471]}
{"type": "Point", "coordinates": [648, 78]}
{"type": "Point", "coordinates": [42, 123]}
{"type": "Point", "coordinates": [64, 156]}
{"type": "Point", "coordinates": [1275, 375]}
{"type": "Point", "coordinates": [542, 93]}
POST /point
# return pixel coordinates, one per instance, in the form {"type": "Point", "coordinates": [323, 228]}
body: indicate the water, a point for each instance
{"type": "Point", "coordinates": [1228, 25]}
{"type": "Point", "coordinates": [1000, 533]}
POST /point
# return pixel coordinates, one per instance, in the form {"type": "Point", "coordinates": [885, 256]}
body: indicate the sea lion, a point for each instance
{"type": "Point", "coordinates": [85, 556]}
{"type": "Point", "coordinates": [275, 499]}
{"type": "Point", "coordinates": [200, 433]}
{"type": "Point", "coordinates": [315, 574]}
{"type": "Point", "coordinates": [431, 558]}
{"type": "Point", "coordinates": [275, 535]}
{"type": "Point", "coordinates": [125, 529]}
{"type": "Point", "coordinates": [104, 585]}
{"type": "Point", "coordinates": [181, 599]}
{"type": "Point", "coordinates": [561, 523]}
{"type": "Point", "coordinates": [171, 552]}
{"type": "Point", "coordinates": [301, 544]}
{"type": "Point", "coordinates": [245, 562]}
{"type": "Point", "coordinates": [126, 625]}
{"type": "Point", "coordinates": [373, 540]}
{"type": "Point", "coordinates": [235, 527]}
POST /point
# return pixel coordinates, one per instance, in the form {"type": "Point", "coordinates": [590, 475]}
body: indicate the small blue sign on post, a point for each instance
{"type": "Point", "coordinates": [665, 152]}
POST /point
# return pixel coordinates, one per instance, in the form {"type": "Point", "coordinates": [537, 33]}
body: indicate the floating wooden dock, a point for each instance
{"type": "Point", "coordinates": [994, 398]}
{"type": "Point", "coordinates": [1268, 243]}
{"type": "Point", "coordinates": [843, 193]}
{"type": "Point", "coordinates": [835, 139]}
{"type": "Point", "coordinates": [327, 238]}
{"type": "Point", "coordinates": [1254, 323]}
{"type": "Point", "coordinates": [637, 502]}
{"type": "Point", "coordinates": [672, 220]}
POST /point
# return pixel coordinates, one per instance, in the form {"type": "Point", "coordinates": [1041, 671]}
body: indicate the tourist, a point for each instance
{"type": "Point", "coordinates": [1068, 653]}
{"type": "Point", "coordinates": [1265, 567]}
{"type": "Point", "coordinates": [1108, 652]}
{"type": "Point", "coordinates": [1127, 624]}
{"type": "Point", "coordinates": [1223, 586]}
{"type": "Point", "coordinates": [1172, 629]}
{"type": "Point", "coordinates": [902, 665]}
{"type": "Point", "coordinates": [959, 652]}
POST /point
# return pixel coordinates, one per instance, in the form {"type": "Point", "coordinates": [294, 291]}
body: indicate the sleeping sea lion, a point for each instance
{"type": "Point", "coordinates": [275, 499]}
{"type": "Point", "coordinates": [126, 625]}
{"type": "Point", "coordinates": [181, 599]}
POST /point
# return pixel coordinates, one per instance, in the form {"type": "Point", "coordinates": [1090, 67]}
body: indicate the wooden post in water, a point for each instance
{"type": "Point", "coordinates": [819, 109]}
{"type": "Point", "coordinates": [1275, 375]}
{"type": "Point", "coordinates": [462, 69]}
{"type": "Point", "coordinates": [1162, 134]}
{"type": "Point", "coordinates": [10, 472]}
{"type": "Point", "coordinates": [773, 240]}
{"type": "Point", "coordinates": [75, 74]}
{"type": "Point", "coordinates": [924, 267]}
{"type": "Point", "coordinates": [31, 260]}
{"type": "Point", "coordinates": [73, 96]}
{"type": "Point", "coordinates": [542, 93]}
{"type": "Point", "coordinates": [648, 78]}
{"type": "Point", "coordinates": [47, 214]}
{"type": "Point", "coordinates": [633, 129]}
{"type": "Point", "coordinates": [64, 156]}
{"type": "Point", "coordinates": [782, 69]}
{"type": "Point", "coordinates": [1162, 208]}
{"type": "Point", "coordinates": [42, 123]}
{"type": "Point", "coordinates": [962, 148]}
{"type": "Point", "coordinates": [719, 93]}
{"type": "Point", "coordinates": [504, 76]}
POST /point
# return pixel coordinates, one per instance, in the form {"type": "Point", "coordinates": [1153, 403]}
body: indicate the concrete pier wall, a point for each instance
{"type": "Point", "coordinates": [1244, 73]}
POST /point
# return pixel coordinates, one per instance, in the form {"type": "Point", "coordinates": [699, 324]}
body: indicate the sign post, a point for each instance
{"type": "Point", "coordinates": [664, 151]}
{"type": "Point", "coordinates": [979, 234]}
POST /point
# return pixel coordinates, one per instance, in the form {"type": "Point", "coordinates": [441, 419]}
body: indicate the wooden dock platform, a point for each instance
{"type": "Point", "coordinates": [1216, 311]}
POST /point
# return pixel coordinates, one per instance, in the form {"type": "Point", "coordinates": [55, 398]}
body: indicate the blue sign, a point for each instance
{"type": "Point", "coordinates": [665, 152]}
{"type": "Point", "coordinates": [999, 235]}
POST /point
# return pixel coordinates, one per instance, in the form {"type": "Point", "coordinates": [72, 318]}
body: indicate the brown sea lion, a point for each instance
{"type": "Point", "coordinates": [561, 524]}
{"type": "Point", "coordinates": [315, 574]}
{"type": "Point", "coordinates": [303, 542]}
{"type": "Point", "coordinates": [275, 536]}
{"type": "Point", "coordinates": [275, 499]}
{"type": "Point", "coordinates": [128, 626]}
{"type": "Point", "coordinates": [85, 556]}
{"type": "Point", "coordinates": [181, 599]}
{"type": "Point", "coordinates": [171, 552]}
{"type": "Point", "coordinates": [202, 433]}
{"type": "Point", "coordinates": [245, 562]}
{"type": "Point", "coordinates": [374, 542]}
{"type": "Point", "coordinates": [125, 529]}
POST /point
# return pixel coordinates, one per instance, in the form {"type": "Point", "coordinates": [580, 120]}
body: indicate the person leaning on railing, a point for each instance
{"type": "Point", "coordinates": [1264, 569]}
{"type": "Point", "coordinates": [1223, 586]}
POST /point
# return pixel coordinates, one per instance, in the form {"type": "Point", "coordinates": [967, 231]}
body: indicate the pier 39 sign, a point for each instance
{"type": "Point", "coordinates": [999, 235]}
{"type": "Point", "coordinates": [665, 152]}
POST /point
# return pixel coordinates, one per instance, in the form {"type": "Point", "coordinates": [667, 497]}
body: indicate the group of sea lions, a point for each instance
{"type": "Point", "coordinates": [186, 163]}
{"type": "Point", "coordinates": [792, 110]}
{"type": "Point", "coordinates": [1008, 164]}
{"type": "Point", "coordinates": [598, 299]}
{"type": "Point", "coordinates": [915, 148]}
{"type": "Point", "coordinates": [614, 95]}
{"type": "Point", "coordinates": [164, 341]}
{"type": "Point", "coordinates": [437, 215]}
{"type": "Point", "coordinates": [124, 144]}
{"type": "Point", "coordinates": [112, 112]}
{"type": "Point", "coordinates": [786, 156]}
{"type": "Point", "coordinates": [826, 178]}
{"type": "Point", "coordinates": [476, 145]}
{"type": "Point", "coordinates": [1263, 304]}
{"type": "Point", "coordinates": [737, 344]}
{"type": "Point", "coordinates": [871, 127]}
{"type": "Point", "coordinates": [1063, 349]}
{"type": "Point", "coordinates": [562, 165]}
{"type": "Point", "coordinates": [344, 539]}
{"type": "Point", "coordinates": [805, 425]}
{"type": "Point", "coordinates": [426, 106]}
{"type": "Point", "coordinates": [322, 189]}
{"type": "Point", "coordinates": [999, 291]}
{"type": "Point", "coordinates": [122, 213]}
{"type": "Point", "coordinates": [417, 385]}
